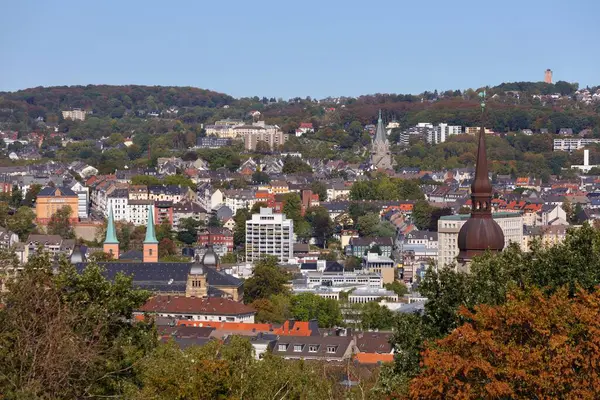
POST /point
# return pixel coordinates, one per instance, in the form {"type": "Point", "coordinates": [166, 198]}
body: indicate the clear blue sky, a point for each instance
{"type": "Point", "coordinates": [298, 48]}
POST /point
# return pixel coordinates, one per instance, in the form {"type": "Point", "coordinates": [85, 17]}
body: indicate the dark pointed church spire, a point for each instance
{"type": "Point", "coordinates": [380, 135]}
{"type": "Point", "coordinates": [480, 232]}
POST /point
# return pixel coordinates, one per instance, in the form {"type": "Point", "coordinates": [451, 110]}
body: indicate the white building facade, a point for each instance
{"type": "Point", "coordinates": [449, 226]}
{"type": "Point", "coordinates": [268, 233]}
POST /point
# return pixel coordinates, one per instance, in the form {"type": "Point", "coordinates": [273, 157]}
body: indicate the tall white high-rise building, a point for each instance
{"type": "Point", "coordinates": [449, 226]}
{"type": "Point", "coordinates": [268, 233]}
{"type": "Point", "coordinates": [441, 132]}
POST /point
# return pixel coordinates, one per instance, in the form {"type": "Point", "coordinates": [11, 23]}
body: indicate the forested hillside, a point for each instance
{"type": "Point", "coordinates": [167, 119]}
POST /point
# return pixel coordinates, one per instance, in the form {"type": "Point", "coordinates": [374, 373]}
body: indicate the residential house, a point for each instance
{"type": "Point", "coordinates": [216, 237]}
{"type": "Point", "coordinates": [323, 348]}
{"type": "Point", "coordinates": [7, 238]}
{"type": "Point", "coordinates": [188, 209]}
{"type": "Point", "coordinates": [361, 245]}
{"type": "Point", "coordinates": [212, 309]}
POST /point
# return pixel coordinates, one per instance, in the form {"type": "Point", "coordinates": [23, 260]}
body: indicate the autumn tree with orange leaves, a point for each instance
{"type": "Point", "coordinates": [531, 347]}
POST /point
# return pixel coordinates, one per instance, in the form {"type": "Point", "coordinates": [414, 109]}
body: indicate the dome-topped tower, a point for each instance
{"type": "Point", "coordinates": [210, 258]}
{"type": "Point", "coordinates": [196, 285]}
{"type": "Point", "coordinates": [197, 267]}
{"type": "Point", "coordinates": [77, 255]}
{"type": "Point", "coordinates": [480, 232]}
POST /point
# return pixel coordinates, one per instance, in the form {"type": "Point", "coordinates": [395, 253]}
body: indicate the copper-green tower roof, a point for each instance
{"type": "Point", "coordinates": [150, 235]}
{"type": "Point", "coordinates": [111, 235]}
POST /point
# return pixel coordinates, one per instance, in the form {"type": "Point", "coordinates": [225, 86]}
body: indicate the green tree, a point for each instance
{"type": "Point", "coordinates": [307, 306]}
{"type": "Point", "coordinates": [147, 180]}
{"type": "Point", "coordinates": [239, 233]}
{"type": "Point", "coordinates": [352, 263]}
{"type": "Point", "coordinates": [21, 222]}
{"type": "Point", "coordinates": [410, 190]}
{"type": "Point", "coordinates": [275, 309]}
{"type": "Point", "coordinates": [292, 207]}
{"type": "Point", "coordinates": [188, 230]}
{"type": "Point", "coordinates": [292, 165]}
{"type": "Point", "coordinates": [16, 197]}
{"type": "Point", "coordinates": [358, 209]}
{"type": "Point", "coordinates": [60, 223]}
{"type": "Point", "coordinates": [267, 279]}
{"type": "Point", "coordinates": [214, 221]}
{"type": "Point", "coordinates": [385, 229]}
{"type": "Point", "coordinates": [4, 209]}
{"type": "Point", "coordinates": [164, 231]}
{"type": "Point", "coordinates": [367, 224]}
{"type": "Point", "coordinates": [229, 258]}
{"type": "Point", "coordinates": [166, 248]}
{"type": "Point", "coordinates": [257, 206]}
{"type": "Point", "coordinates": [375, 316]}
{"type": "Point", "coordinates": [263, 147]}
{"type": "Point", "coordinates": [77, 342]}
{"type": "Point", "coordinates": [421, 214]}
{"type": "Point", "coordinates": [322, 225]}
{"type": "Point", "coordinates": [259, 177]}
{"type": "Point", "coordinates": [397, 287]}
{"type": "Point", "coordinates": [179, 180]}
{"type": "Point", "coordinates": [319, 188]}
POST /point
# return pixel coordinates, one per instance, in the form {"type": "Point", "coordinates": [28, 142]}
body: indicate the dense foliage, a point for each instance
{"type": "Point", "coordinates": [570, 266]}
{"type": "Point", "coordinates": [532, 347]}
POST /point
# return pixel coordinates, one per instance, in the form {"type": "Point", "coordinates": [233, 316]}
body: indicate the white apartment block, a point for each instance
{"type": "Point", "coordinates": [83, 199]}
{"type": "Point", "coordinates": [75, 114]}
{"type": "Point", "coordinates": [268, 233]}
{"type": "Point", "coordinates": [138, 211]}
{"type": "Point", "coordinates": [344, 279]}
{"type": "Point", "coordinates": [442, 132]}
{"type": "Point", "coordinates": [130, 211]}
{"type": "Point", "coordinates": [118, 200]}
{"type": "Point", "coordinates": [449, 226]}
{"type": "Point", "coordinates": [572, 144]}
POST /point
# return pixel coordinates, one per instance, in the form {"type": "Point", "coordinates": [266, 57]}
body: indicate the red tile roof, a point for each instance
{"type": "Point", "coordinates": [195, 305]}
{"type": "Point", "coordinates": [373, 358]}
{"type": "Point", "coordinates": [228, 326]}
{"type": "Point", "coordinates": [300, 328]}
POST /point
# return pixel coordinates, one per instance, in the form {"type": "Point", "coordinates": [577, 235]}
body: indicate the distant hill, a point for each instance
{"type": "Point", "coordinates": [113, 101]}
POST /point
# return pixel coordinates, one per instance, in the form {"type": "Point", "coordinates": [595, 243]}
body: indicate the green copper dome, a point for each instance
{"type": "Point", "coordinates": [111, 235]}
{"type": "Point", "coordinates": [150, 234]}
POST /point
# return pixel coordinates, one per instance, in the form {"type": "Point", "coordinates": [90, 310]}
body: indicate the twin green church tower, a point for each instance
{"type": "Point", "coordinates": [111, 243]}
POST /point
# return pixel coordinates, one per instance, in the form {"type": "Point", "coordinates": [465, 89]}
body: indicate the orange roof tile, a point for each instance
{"type": "Point", "coordinates": [228, 326]}
{"type": "Point", "coordinates": [300, 328]}
{"type": "Point", "coordinates": [373, 358]}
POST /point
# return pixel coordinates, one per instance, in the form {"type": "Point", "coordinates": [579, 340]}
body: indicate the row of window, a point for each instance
{"type": "Point", "coordinates": [312, 348]}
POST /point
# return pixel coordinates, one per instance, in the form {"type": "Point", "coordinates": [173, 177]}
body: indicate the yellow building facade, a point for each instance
{"type": "Point", "coordinates": [52, 199]}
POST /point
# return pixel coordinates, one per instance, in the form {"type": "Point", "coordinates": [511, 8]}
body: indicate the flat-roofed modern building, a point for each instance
{"type": "Point", "coordinates": [269, 233]}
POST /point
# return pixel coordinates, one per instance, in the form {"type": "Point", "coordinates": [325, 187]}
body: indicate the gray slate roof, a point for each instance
{"type": "Point", "coordinates": [163, 276]}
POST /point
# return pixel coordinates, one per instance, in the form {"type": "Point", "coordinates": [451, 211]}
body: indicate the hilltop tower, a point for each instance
{"type": "Point", "coordinates": [111, 243]}
{"type": "Point", "coordinates": [480, 233]}
{"type": "Point", "coordinates": [381, 157]}
{"type": "Point", "coordinates": [150, 253]}
{"type": "Point", "coordinates": [548, 76]}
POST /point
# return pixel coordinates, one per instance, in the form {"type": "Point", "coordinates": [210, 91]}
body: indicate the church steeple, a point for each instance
{"type": "Point", "coordinates": [381, 157]}
{"type": "Point", "coordinates": [150, 233]}
{"type": "Point", "coordinates": [150, 253]}
{"type": "Point", "coordinates": [111, 236]}
{"type": "Point", "coordinates": [380, 135]}
{"type": "Point", "coordinates": [480, 232]}
{"type": "Point", "coordinates": [111, 243]}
